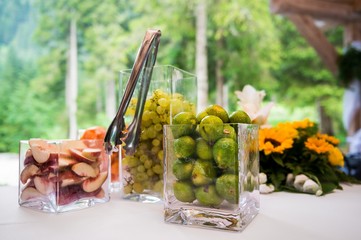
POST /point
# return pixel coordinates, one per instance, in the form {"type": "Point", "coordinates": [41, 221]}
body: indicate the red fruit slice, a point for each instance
{"type": "Point", "coordinates": [28, 172]}
{"type": "Point", "coordinates": [84, 170]}
{"type": "Point", "coordinates": [93, 184]}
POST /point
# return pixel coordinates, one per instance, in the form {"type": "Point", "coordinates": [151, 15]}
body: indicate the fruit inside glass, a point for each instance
{"type": "Point", "coordinates": [171, 91]}
{"type": "Point", "coordinates": [211, 175]}
{"type": "Point", "coordinates": [62, 175]}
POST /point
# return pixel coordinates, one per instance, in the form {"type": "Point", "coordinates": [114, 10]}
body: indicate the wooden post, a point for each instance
{"type": "Point", "coordinates": [343, 10]}
{"type": "Point", "coordinates": [317, 40]}
{"type": "Point", "coordinates": [352, 32]}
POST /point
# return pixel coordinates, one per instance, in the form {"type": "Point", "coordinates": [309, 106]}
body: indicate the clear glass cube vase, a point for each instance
{"type": "Point", "coordinates": [211, 175]}
{"type": "Point", "coordinates": [171, 91]}
{"type": "Point", "coordinates": [62, 175]}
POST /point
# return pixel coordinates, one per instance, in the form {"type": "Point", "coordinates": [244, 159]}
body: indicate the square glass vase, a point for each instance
{"type": "Point", "coordinates": [171, 91]}
{"type": "Point", "coordinates": [62, 175]}
{"type": "Point", "coordinates": [211, 175]}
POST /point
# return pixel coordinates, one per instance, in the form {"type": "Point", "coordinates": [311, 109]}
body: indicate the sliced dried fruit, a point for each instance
{"type": "Point", "coordinates": [91, 153]}
{"type": "Point", "coordinates": [28, 172]}
{"type": "Point", "coordinates": [77, 154]}
{"type": "Point", "coordinates": [84, 170]}
{"type": "Point", "coordinates": [43, 185]}
{"type": "Point", "coordinates": [40, 154]}
{"type": "Point", "coordinates": [66, 160]}
{"type": "Point", "coordinates": [92, 184]}
{"type": "Point", "coordinates": [29, 193]}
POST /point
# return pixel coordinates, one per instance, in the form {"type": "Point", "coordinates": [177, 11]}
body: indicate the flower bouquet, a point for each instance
{"type": "Point", "coordinates": [294, 156]}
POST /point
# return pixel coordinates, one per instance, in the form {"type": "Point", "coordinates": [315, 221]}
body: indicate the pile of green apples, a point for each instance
{"type": "Point", "coordinates": [205, 153]}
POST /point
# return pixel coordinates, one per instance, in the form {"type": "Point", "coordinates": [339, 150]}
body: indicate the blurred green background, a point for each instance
{"type": "Point", "coordinates": [254, 47]}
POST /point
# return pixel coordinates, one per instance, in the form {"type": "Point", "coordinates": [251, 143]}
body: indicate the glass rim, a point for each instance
{"type": "Point", "coordinates": [129, 70]}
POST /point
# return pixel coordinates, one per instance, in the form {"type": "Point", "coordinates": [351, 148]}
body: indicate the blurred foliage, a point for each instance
{"type": "Point", "coordinates": [254, 46]}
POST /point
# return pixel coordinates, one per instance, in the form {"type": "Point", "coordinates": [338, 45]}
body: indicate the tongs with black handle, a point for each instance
{"type": "Point", "coordinates": [117, 133]}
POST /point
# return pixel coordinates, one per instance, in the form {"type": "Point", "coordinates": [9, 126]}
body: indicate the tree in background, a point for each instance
{"type": "Point", "coordinates": [245, 45]}
{"type": "Point", "coordinates": [304, 80]}
{"type": "Point", "coordinates": [242, 47]}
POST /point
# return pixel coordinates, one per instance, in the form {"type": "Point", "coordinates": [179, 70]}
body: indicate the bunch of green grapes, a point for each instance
{"type": "Point", "coordinates": [143, 171]}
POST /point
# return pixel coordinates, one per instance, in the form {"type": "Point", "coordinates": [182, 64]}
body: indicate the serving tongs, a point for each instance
{"type": "Point", "coordinates": [117, 133]}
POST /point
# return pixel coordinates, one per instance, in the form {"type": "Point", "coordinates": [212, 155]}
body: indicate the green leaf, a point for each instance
{"type": "Point", "coordinates": [278, 160]}
{"type": "Point", "coordinates": [328, 187]}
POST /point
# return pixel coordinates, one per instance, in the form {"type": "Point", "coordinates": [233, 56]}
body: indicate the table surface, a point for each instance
{"type": "Point", "coordinates": [282, 216]}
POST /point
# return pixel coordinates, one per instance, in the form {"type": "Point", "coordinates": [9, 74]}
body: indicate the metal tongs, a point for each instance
{"type": "Point", "coordinates": [117, 133]}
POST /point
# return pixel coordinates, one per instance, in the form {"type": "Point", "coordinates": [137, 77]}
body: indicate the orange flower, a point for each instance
{"type": "Point", "coordinates": [335, 157]}
{"type": "Point", "coordinates": [318, 145]}
{"type": "Point", "coordinates": [302, 124]}
{"type": "Point", "coordinates": [275, 140]}
{"type": "Point", "coordinates": [330, 139]}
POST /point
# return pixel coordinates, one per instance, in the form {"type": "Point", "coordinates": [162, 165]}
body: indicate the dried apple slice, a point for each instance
{"type": "Point", "coordinates": [74, 144]}
{"type": "Point", "coordinates": [28, 172]}
{"type": "Point", "coordinates": [71, 180]}
{"type": "Point", "coordinates": [40, 154]}
{"type": "Point", "coordinates": [66, 160]}
{"type": "Point", "coordinates": [92, 184]}
{"type": "Point", "coordinates": [77, 154]}
{"type": "Point", "coordinates": [29, 193]}
{"type": "Point", "coordinates": [39, 149]}
{"type": "Point", "coordinates": [91, 153]}
{"type": "Point", "coordinates": [83, 169]}
{"type": "Point", "coordinates": [43, 185]}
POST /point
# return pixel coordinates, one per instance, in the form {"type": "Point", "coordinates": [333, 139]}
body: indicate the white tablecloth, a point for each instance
{"type": "Point", "coordinates": [282, 216]}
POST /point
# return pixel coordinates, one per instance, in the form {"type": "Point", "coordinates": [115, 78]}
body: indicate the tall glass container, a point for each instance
{"type": "Point", "coordinates": [171, 91]}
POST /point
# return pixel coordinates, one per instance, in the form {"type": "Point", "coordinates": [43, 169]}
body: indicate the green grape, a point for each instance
{"type": "Point", "coordinates": [147, 123]}
{"type": "Point", "coordinates": [150, 173]}
{"type": "Point", "coordinates": [158, 186]}
{"type": "Point", "coordinates": [156, 119]}
{"type": "Point", "coordinates": [138, 187]}
{"type": "Point", "coordinates": [151, 133]}
{"type": "Point", "coordinates": [141, 168]}
{"type": "Point", "coordinates": [146, 115]}
{"type": "Point", "coordinates": [155, 150]}
{"type": "Point", "coordinates": [164, 102]}
{"type": "Point", "coordinates": [153, 106]}
{"type": "Point", "coordinates": [127, 189]}
{"type": "Point", "coordinates": [160, 155]}
{"type": "Point", "coordinates": [158, 127]}
{"type": "Point", "coordinates": [160, 110]}
{"type": "Point", "coordinates": [143, 158]}
{"type": "Point", "coordinates": [158, 169]}
{"type": "Point", "coordinates": [152, 114]}
{"type": "Point", "coordinates": [140, 177]}
{"type": "Point", "coordinates": [148, 164]}
{"type": "Point", "coordinates": [155, 142]}
{"type": "Point", "coordinates": [133, 161]}
{"type": "Point", "coordinates": [177, 106]}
